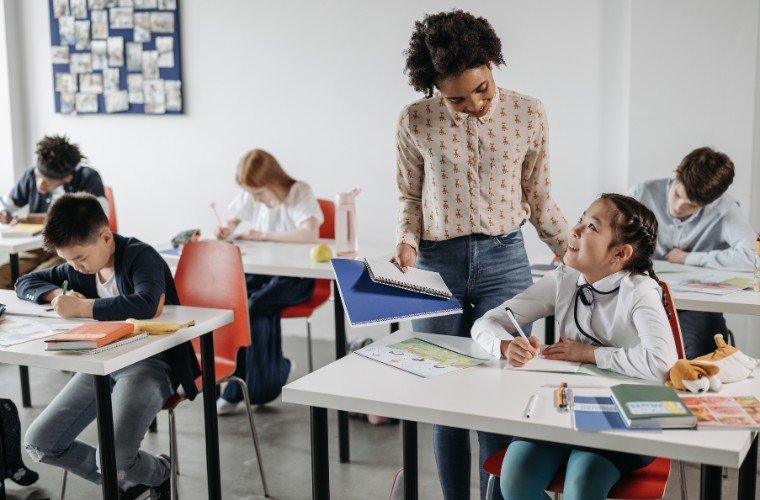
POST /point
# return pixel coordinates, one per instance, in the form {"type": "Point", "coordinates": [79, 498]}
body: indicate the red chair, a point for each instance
{"type": "Point", "coordinates": [111, 209]}
{"type": "Point", "coordinates": [322, 288]}
{"type": "Point", "coordinates": [646, 483]}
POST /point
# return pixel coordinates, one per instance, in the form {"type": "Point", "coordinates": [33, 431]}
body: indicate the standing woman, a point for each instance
{"type": "Point", "coordinates": [473, 166]}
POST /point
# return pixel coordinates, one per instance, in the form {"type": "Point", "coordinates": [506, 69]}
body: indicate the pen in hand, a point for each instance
{"type": "Point", "coordinates": [65, 287]}
{"type": "Point", "coordinates": [517, 326]}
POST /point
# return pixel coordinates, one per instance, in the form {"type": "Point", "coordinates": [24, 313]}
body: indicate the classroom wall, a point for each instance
{"type": "Point", "coordinates": [629, 88]}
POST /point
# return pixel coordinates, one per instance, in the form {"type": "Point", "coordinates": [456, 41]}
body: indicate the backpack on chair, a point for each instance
{"type": "Point", "coordinates": [11, 464]}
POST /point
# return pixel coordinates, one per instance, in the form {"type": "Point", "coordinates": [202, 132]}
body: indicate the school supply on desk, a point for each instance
{"type": "Point", "coordinates": [531, 407]}
{"type": "Point", "coordinates": [112, 345]}
{"type": "Point", "coordinates": [652, 406]}
{"type": "Point", "coordinates": [381, 270]}
{"type": "Point", "coordinates": [563, 397]}
{"type": "Point", "coordinates": [592, 413]}
{"type": "Point", "coordinates": [22, 230]}
{"type": "Point", "coordinates": [540, 270]}
{"type": "Point", "coordinates": [26, 308]}
{"type": "Point", "coordinates": [420, 357]}
{"type": "Point", "coordinates": [724, 412]}
{"type": "Point", "coordinates": [369, 303]}
{"type": "Point", "coordinates": [185, 237]}
{"type": "Point", "coordinates": [711, 286]}
{"type": "Point", "coordinates": [15, 331]}
{"type": "Point", "coordinates": [541, 364]}
{"type": "Point", "coordinates": [90, 336]}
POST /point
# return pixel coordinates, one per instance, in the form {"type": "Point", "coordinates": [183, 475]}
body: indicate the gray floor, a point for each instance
{"type": "Point", "coordinates": [284, 433]}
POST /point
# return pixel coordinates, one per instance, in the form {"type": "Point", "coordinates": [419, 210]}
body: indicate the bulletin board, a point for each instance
{"type": "Point", "coordinates": [116, 56]}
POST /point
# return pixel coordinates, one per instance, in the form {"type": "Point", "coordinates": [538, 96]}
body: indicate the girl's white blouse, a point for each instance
{"type": "Point", "coordinates": [631, 323]}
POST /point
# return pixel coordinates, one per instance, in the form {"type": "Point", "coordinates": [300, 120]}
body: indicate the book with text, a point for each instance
{"type": "Point", "coordinates": [652, 406]}
{"type": "Point", "coordinates": [381, 270]}
{"type": "Point", "coordinates": [592, 413]}
{"type": "Point", "coordinates": [90, 336]}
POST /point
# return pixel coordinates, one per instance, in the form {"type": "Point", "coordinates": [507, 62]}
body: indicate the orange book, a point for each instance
{"type": "Point", "coordinates": [90, 336]}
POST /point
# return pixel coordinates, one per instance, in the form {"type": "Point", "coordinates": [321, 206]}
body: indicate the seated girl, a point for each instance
{"type": "Point", "coordinates": [609, 310]}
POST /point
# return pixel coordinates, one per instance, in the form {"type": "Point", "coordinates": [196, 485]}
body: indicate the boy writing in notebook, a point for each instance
{"type": "Point", "coordinates": [700, 225]}
{"type": "Point", "coordinates": [110, 277]}
{"type": "Point", "coordinates": [58, 171]}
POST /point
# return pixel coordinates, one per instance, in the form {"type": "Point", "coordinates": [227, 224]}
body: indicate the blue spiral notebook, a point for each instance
{"type": "Point", "coordinates": [368, 303]}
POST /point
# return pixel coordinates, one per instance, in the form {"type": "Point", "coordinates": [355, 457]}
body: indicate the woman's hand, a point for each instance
{"type": "Point", "coordinates": [570, 350]}
{"type": "Point", "coordinates": [518, 351]}
{"type": "Point", "coordinates": [405, 256]}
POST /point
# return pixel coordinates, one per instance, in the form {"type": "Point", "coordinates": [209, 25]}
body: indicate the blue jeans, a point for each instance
{"type": "Point", "coordinates": [482, 272]}
{"type": "Point", "coordinates": [138, 392]}
{"type": "Point", "coordinates": [698, 329]}
{"type": "Point", "coordinates": [262, 365]}
{"type": "Point", "coordinates": [529, 467]}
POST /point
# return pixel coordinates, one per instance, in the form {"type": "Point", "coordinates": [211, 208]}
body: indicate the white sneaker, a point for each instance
{"type": "Point", "coordinates": [293, 367]}
{"type": "Point", "coordinates": [224, 407]}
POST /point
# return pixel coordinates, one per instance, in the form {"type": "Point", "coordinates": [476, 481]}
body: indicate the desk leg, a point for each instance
{"type": "Point", "coordinates": [320, 462]}
{"type": "Point", "coordinates": [747, 473]}
{"type": "Point", "coordinates": [410, 459]}
{"type": "Point", "coordinates": [710, 482]}
{"type": "Point", "coordinates": [105, 436]}
{"type": "Point", "coordinates": [26, 397]}
{"type": "Point", "coordinates": [394, 327]}
{"type": "Point", "coordinates": [549, 330]}
{"type": "Point", "coordinates": [340, 351]}
{"type": "Point", "coordinates": [209, 416]}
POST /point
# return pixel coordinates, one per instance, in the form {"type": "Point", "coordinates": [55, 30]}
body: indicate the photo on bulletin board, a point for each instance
{"type": "Point", "coordinates": [116, 56]}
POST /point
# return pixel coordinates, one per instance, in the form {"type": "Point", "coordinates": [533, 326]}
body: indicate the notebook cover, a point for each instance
{"type": "Point", "coordinates": [367, 302]}
{"type": "Point", "coordinates": [96, 334]}
{"type": "Point", "coordinates": [417, 280]}
{"type": "Point", "coordinates": [651, 405]}
{"type": "Point", "coordinates": [592, 413]}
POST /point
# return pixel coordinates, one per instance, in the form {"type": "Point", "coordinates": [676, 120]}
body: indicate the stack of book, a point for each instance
{"type": "Point", "coordinates": [94, 337]}
{"type": "Point", "coordinates": [633, 406]}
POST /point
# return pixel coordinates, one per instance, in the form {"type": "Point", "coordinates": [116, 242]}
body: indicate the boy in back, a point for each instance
{"type": "Point", "coordinates": [58, 171]}
{"type": "Point", "coordinates": [700, 225]}
{"type": "Point", "coordinates": [111, 278]}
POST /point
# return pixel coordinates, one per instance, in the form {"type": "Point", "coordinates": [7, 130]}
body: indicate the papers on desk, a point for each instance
{"type": "Point", "coordinates": [419, 357]}
{"type": "Point", "coordinates": [26, 308]}
{"type": "Point", "coordinates": [18, 331]}
{"type": "Point", "coordinates": [713, 287]}
{"type": "Point", "coordinates": [541, 364]}
{"type": "Point", "coordinates": [724, 412]}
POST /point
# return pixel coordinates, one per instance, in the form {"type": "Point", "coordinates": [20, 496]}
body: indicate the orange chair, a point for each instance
{"type": "Point", "coordinates": [646, 483]}
{"type": "Point", "coordinates": [322, 287]}
{"type": "Point", "coordinates": [210, 274]}
{"type": "Point", "coordinates": [111, 209]}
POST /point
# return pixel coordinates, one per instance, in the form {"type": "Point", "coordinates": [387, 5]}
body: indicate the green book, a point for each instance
{"type": "Point", "coordinates": [652, 406]}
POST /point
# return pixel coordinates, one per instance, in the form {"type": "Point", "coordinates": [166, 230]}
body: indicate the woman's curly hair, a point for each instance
{"type": "Point", "coordinates": [448, 43]}
{"type": "Point", "coordinates": [58, 155]}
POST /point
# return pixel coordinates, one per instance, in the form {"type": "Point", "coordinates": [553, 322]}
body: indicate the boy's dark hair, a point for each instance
{"type": "Point", "coordinates": [57, 157]}
{"type": "Point", "coordinates": [448, 43]}
{"type": "Point", "coordinates": [74, 219]}
{"type": "Point", "coordinates": [635, 225]}
{"type": "Point", "coordinates": [705, 175]}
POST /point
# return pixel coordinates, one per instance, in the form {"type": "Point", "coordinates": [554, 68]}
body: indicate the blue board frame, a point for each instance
{"type": "Point", "coordinates": [174, 73]}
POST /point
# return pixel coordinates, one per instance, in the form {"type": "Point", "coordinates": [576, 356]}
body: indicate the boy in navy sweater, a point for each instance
{"type": "Point", "coordinates": [112, 278]}
{"type": "Point", "coordinates": [57, 171]}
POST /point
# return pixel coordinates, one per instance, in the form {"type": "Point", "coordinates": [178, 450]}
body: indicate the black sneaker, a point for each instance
{"type": "Point", "coordinates": [164, 490]}
{"type": "Point", "coordinates": [135, 492]}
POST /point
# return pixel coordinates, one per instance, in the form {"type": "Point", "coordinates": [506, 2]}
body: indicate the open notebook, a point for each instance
{"type": "Point", "coordinates": [381, 270]}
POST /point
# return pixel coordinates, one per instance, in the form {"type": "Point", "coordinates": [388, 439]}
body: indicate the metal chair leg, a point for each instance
{"type": "Point", "coordinates": [308, 339]}
{"type": "Point", "coordinates": [682, 471]}
{"type": "Point", "coordinates": [174, 464]}
{"type": "Point", "coordinates": [247, 400]}
{"type": "Point", "coordinates": [63, 484]}
{"type": "Point", "coordinates": [489, 488]}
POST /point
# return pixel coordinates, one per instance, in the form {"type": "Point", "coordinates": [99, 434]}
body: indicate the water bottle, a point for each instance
{"type": "Point", "coordinates": [346, 243]}
{"type": "Point", "coordinates": [757, 263]}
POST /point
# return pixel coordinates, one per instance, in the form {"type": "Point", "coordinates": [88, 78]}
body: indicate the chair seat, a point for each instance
{"type": "Point", "coordinates": [647, 482]}
{"type": "Point", "coordinates": [222, 367]}
{"type": "Point", "coordinates": [318, 297]}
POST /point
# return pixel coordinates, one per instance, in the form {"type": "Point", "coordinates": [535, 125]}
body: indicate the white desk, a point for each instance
{"type": "Point", "coordinates": [465, 399]}
{"type": "Point", "coordinates": [741, 302]}
{"type": "Point", "coordinates": [100, 365]}
{"type": "Point", "coordinates": [13, 246]}
{"type": "Point", "coordinates": [292, 259]}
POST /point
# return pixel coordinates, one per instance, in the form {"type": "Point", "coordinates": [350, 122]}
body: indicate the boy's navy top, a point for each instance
{"type": "Point", "coordinates": [142, 277]}
{"type": "Point", "coordinates": [85, 179]}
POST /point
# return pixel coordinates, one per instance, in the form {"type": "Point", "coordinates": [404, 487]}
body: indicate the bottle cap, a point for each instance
{"type": "Point", "coordinates": [348, 197]}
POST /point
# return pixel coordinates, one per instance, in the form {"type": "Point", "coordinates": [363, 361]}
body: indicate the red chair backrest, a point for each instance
{"type": "Point", "coordinates": [675, 326]}
{"type": "Point", "coordinates": [111, 209]}
{"type": "Point", "coordinates": [210, 274]}
{"type": "Point", "coordinates": [327, 229]}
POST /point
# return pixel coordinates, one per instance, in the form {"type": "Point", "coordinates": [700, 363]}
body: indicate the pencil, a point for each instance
{"type": "Point", "coordinates": [216, 214]}
{"type": "Point", "coordinates": [65, 286]}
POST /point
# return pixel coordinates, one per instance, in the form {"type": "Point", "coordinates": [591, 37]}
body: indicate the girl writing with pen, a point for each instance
{"type": "Point", "coordinates": [609, 310]}
{"type": "Point", "coordinates": [276, 208]}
